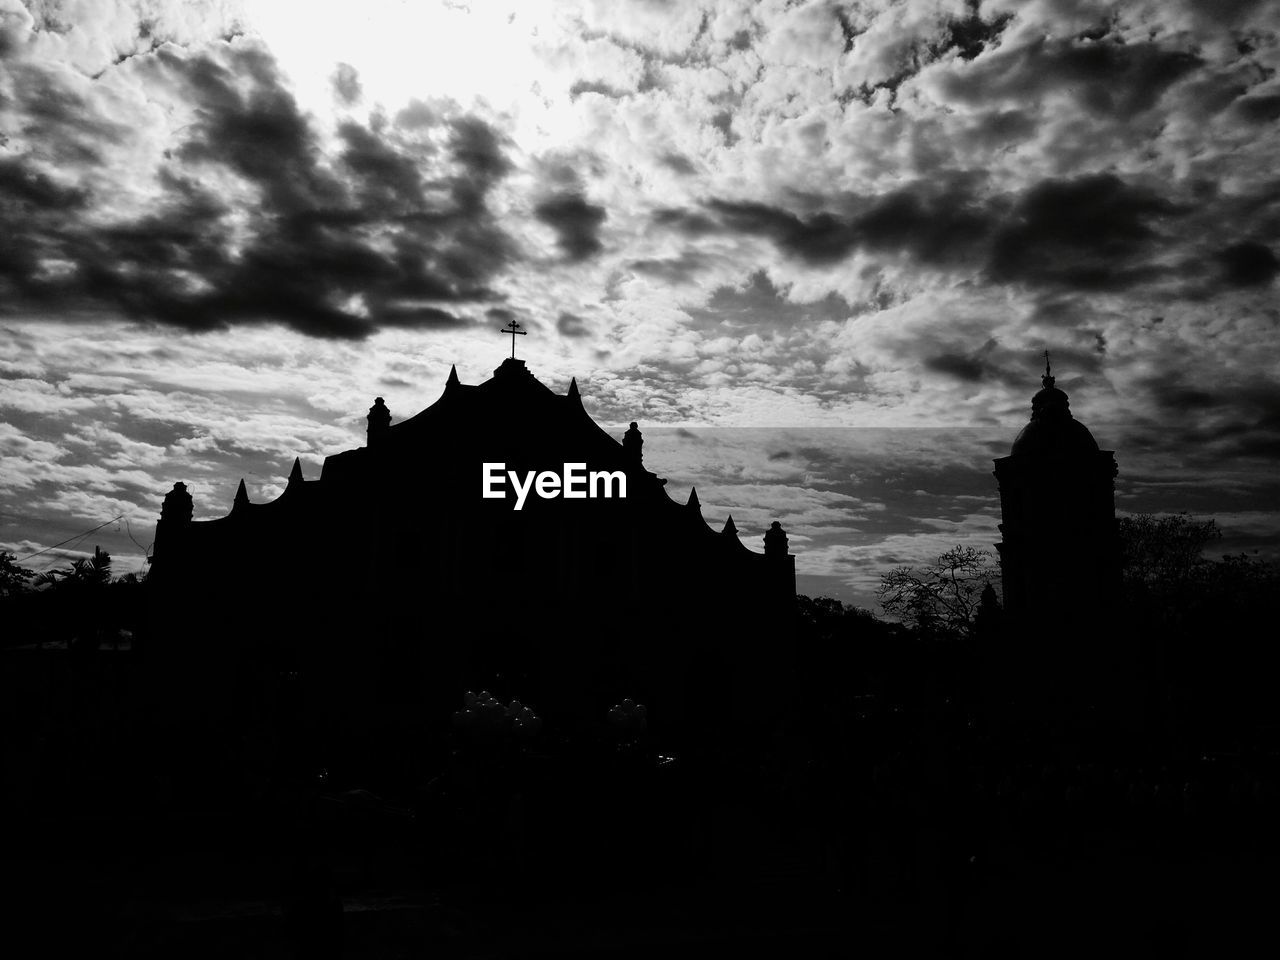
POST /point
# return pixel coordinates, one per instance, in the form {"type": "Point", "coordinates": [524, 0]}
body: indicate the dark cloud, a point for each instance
{"type": "Point", "coordinates": [967, 368]}
{"type": "Point", "coordinates": [571, 325]}
{"type": "Point", "coordinates": [55, 116]}
{"type": "Point", "coordinates": [25, 190]}
{"type": "Point", "coordinates": [1097, 232]}
{"type": "Point", "coordinates": [688, 222]}
{"type": "Point", "coordinates": [679, 163]}
{"type": "Point", "coordinates": [401, 314]}
{"type": "Point", "coordinates": [478, 150]}
{"type": "Point", "coordinates": [1259, 109]}
{"type": "Point", "coordinates": [1105, 76]}
{"type": "Point", "coordinates": [580, 87]}
{"type": "Point", "coordinates": [394, 234]}
{"type": "Point", "coordinates": [761, 304]}
{"type": "Point", "coordinates": [993, 129]}
{"type": "Point", "coordinates": [388, 180]}
{"type": "Point", "coordinates": [1094, 232]}
{"type": "Point", "coordinates": [821, 239]}
{"type": "Point", "coordinates": [562, 171]}
{"type": "Point", "coordinates": [346, 85]}
{"type": "Point", "coordinates": [679, 269]}
{"type": "Point", "coordinates": [1248, 264]}
{"type": "Point", "coordinates": [1251, 403]}
{"type": "Point", "coordinates": [723, 121]}
{"type": "Point", "coordinates": [576, 223]}
{"type": "Point", "coordinates": [968, 36]}
{"type": "Point", "coordinates": [934, 226]}
{"type": "Point", "coordinates": [995, 363]}
{"type": "Point", "coordinates": [1209, 423]}
{"type": "Point", "coordinates": [418, 115]}
{"type": "Point", "coordinates": [1226, 11]}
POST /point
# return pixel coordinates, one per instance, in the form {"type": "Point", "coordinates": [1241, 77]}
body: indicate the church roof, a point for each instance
{"type": "Point", "coordinates": [512, 418]}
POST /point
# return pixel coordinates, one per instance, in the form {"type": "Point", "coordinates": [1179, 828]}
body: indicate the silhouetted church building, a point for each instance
{"type": "Point", "coordinates": [1059, 556]}
{"type": "Point", "coordinates": [392, 579]}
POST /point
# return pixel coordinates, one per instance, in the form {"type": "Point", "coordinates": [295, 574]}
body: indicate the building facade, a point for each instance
{"type": "Point", "coordinates": [570, 603]}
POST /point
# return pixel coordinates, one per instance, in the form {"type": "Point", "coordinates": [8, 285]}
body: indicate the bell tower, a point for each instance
{"type": "Point", "coordinates": [1059, 555]}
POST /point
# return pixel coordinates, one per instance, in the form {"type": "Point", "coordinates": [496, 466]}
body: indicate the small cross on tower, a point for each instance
{"type": "Point", "coordinates": [1046, 363]}
{"type": "Point", "coordinates": [513, 328]}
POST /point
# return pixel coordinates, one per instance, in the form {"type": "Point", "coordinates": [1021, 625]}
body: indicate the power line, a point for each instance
{"type": "Point", "coordinates": [51, 560]}
{"type": "Point", "coordinates": [78, 536]}
{"type": "Point", "coordinates": [146, 551]}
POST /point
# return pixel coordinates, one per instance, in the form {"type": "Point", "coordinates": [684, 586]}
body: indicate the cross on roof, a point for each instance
{"type": "Point", "coordinates": [513, 328]}
{"type": "Point", "coordinates": [1046, 362]}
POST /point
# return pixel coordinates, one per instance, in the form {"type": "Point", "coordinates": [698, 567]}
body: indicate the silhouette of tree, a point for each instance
{"type": "Point", "coordinates": [943, 598]}
{"type": "Point", "coordinates": [85, 571]}
{"type": "Point", "coordinates": [1198, 621]}
{"type": "Point", "coordinates": [1166, 575]}
{"type": "Point", "coordinates": [80, 599]}
{"type": "Point", "coordinates": [1164, 554]}
{"type": "Point", "coordinates": [13, 578]}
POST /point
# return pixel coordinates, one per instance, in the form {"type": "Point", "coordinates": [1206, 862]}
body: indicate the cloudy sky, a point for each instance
{"type": "Point", "coordinates": [815, 248]}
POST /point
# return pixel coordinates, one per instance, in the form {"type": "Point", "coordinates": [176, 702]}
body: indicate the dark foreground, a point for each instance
{"type": "Point", "coordinates": [1055, 863]}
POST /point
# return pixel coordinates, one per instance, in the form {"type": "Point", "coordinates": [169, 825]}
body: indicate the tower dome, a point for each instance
{"type": "Point", "coordinates": [1053, 431]}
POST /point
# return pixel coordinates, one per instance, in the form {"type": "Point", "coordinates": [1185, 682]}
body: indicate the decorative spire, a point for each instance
{"type": "Point", "coordinates": [633, 442]}
{"type": "Point", "coordinates": [693, 503]}
{"type": "Point", "coordinates": [775, 541]}
{"type": "Point", "coordinates": [730, 529]}
{"type": "Point", "coordinates": [295, 475]}
{"type": "Point", "coordinates": [453, 377]}
{"type": "Point", "coordinates": [573, 390]}
{"type": "Point", "coordinates": [242, 497]}
{"type": "Point", "coordinates": [1052, 430]}
{"type": "Point", "coordinates": [379, 421]}
{"type": "Point", "coordinates": [1049, 402]}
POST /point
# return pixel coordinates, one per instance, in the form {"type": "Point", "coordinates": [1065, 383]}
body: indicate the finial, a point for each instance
{"type": "Point", "coordinates": [242, 497]}
{"type": "Point", "coordinates": [453, 376]}
{"type": "Point", "coordinates": [693, 499]}
{"type": "Point", "coordinates": [1047, 380]}
{"type": "Point", "coordinates": [295, 475]}
{"type": "Point", "coordinates": [730, 529]}
{"type": "Point", "coordinates": [573, 389]}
